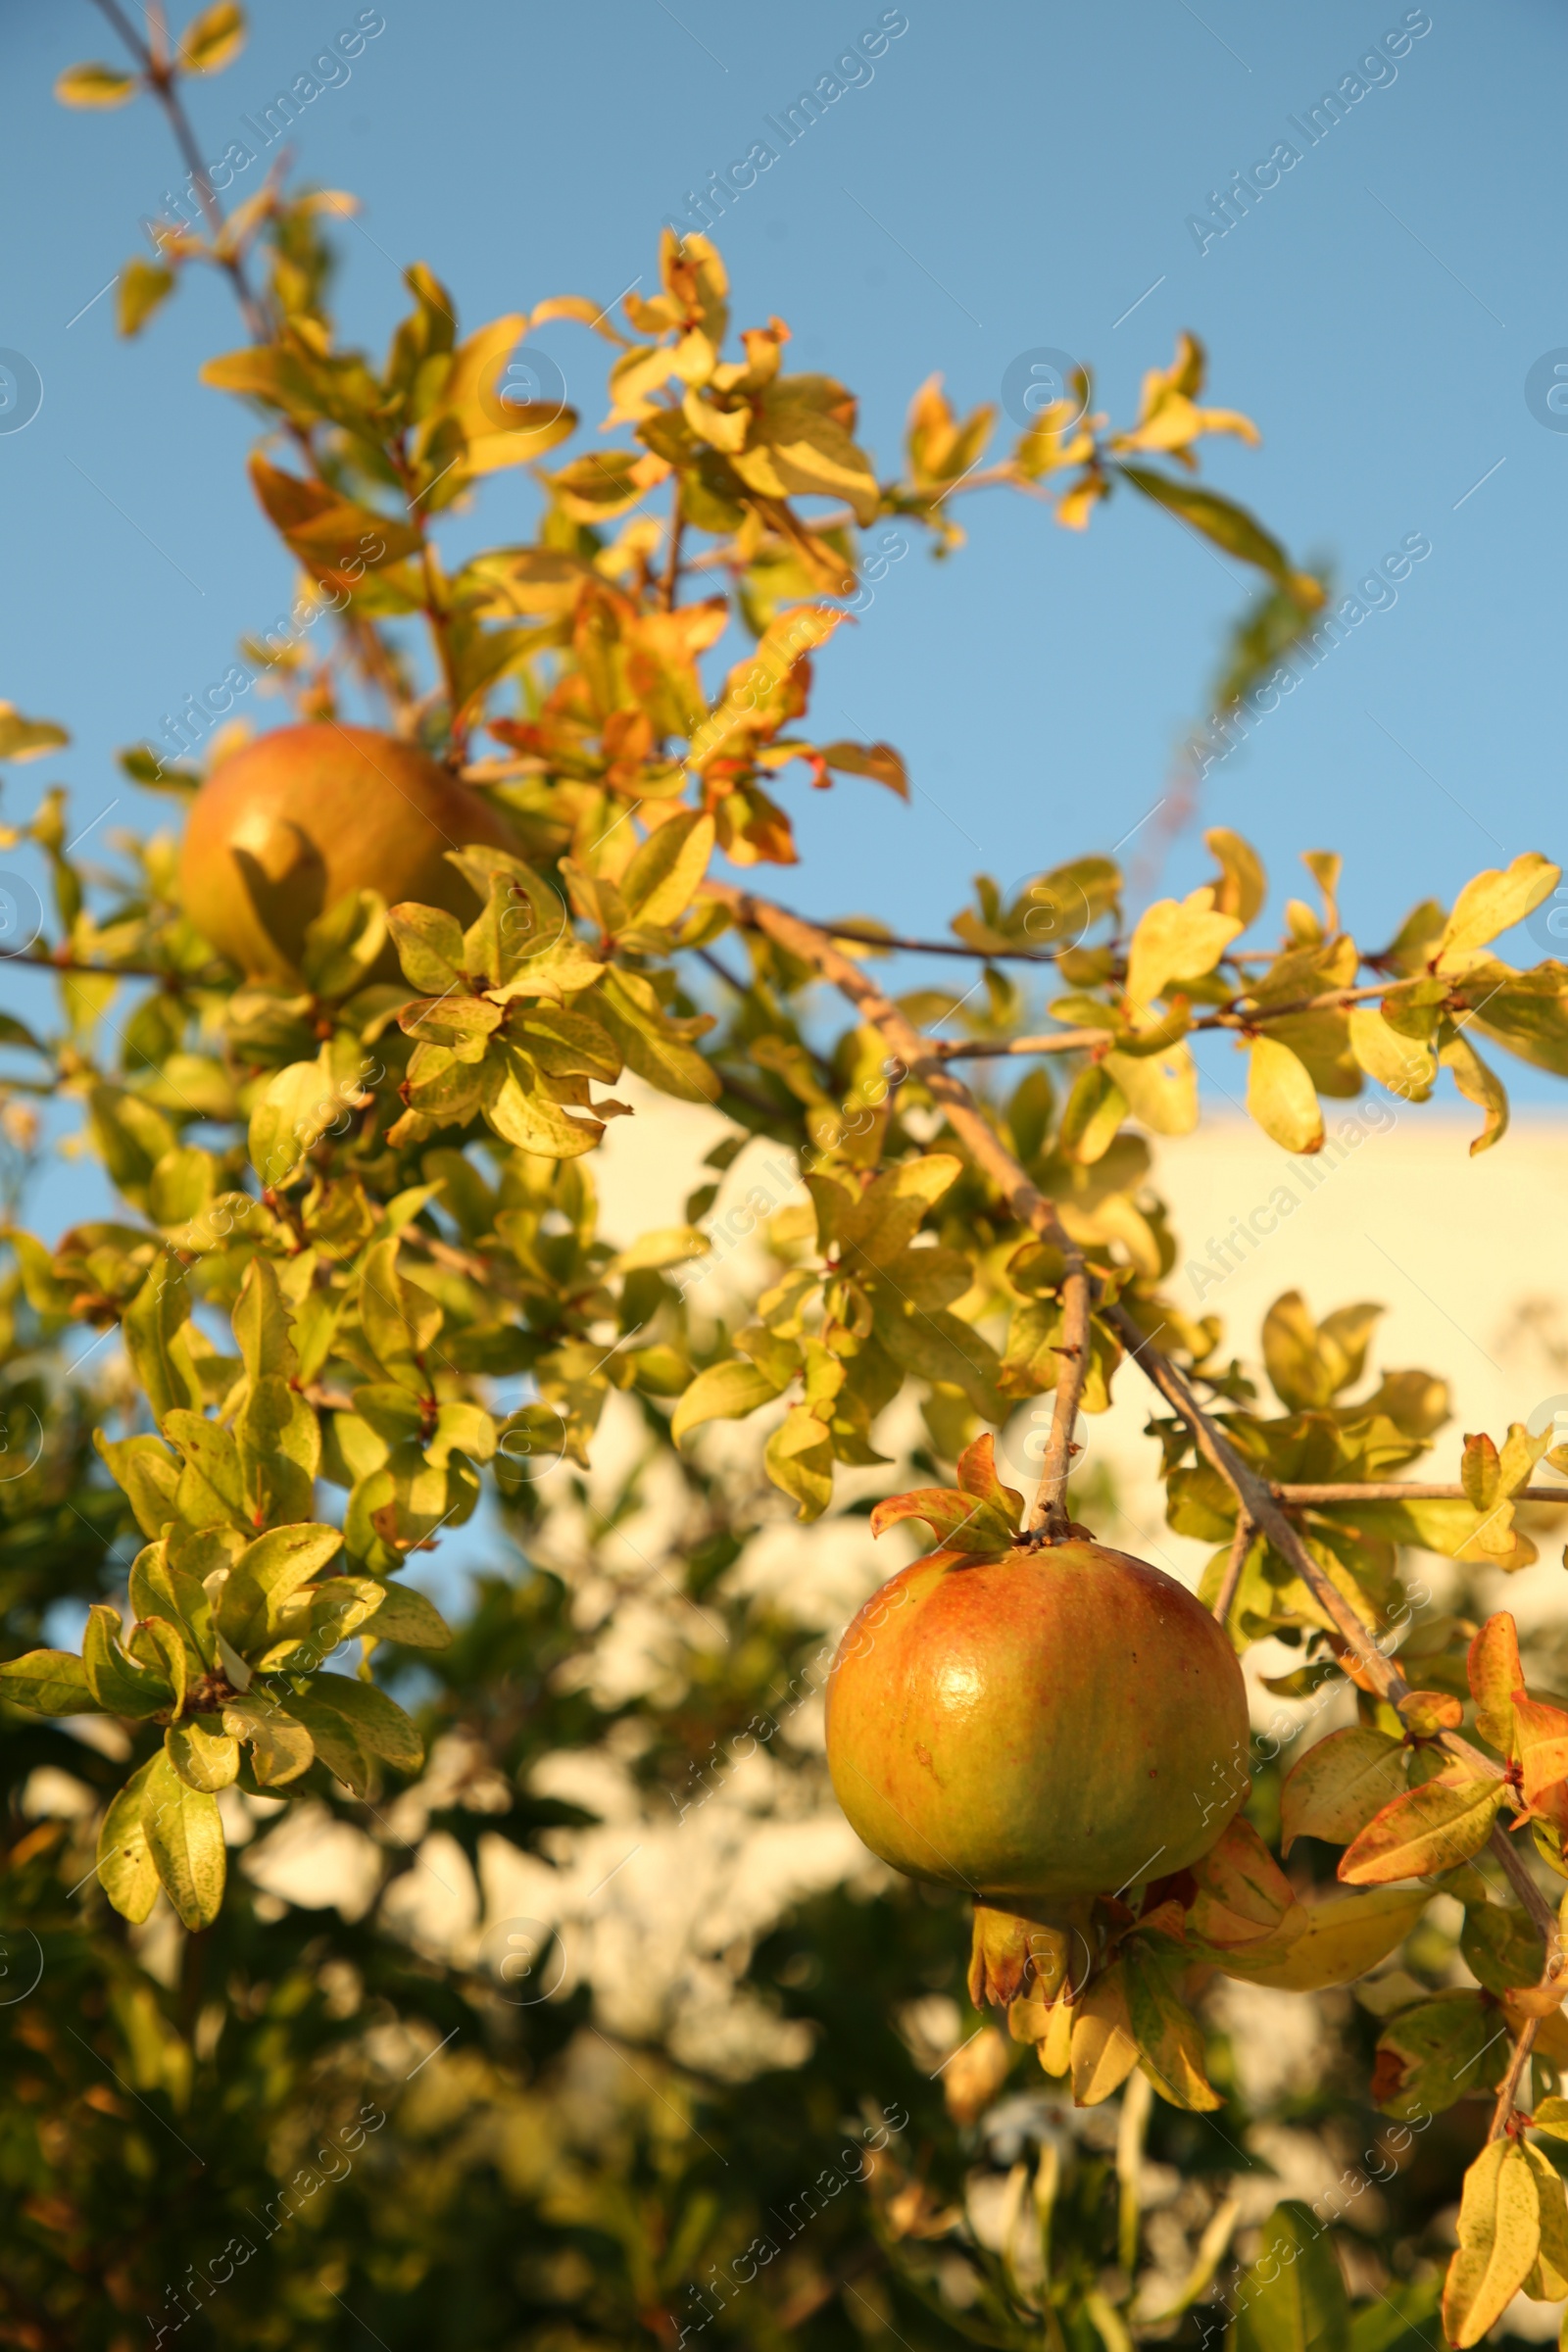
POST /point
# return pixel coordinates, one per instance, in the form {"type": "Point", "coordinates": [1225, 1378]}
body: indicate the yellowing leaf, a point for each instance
{"type": "Point", "coordinates": [27, 738]}
{"type": "Point", "coordinates": [186, 1837]}
{"type": "Point", "coordinates": [798, 446]}
{"type": "Point", "coordinates": [1339, 1785]}
{"type": "Point", "coordinates": [95, 86]}
{"type": "Point", "coordinates": [1493, 902]}
{"type": "Point", "coordinates": [1479, 1085]}
{"type": "Point", "coordinates": [1169, 2039]}
{"type": "Point", "coordinates": [1243, 1894]}
{"type": "Point", "coordinates": [1281, 1096]}
{"type": "Point", "coordinates": [1339, 1938]}
{"type": "Point", "coordinates": [723, 1393]}
{"type": "Point", "coordinates": [127, 1871]}
{"type": "Point", "coordinates": [214, 39]}
{"type": "Point", "coordinates": [799, 1458]}
{"type": "Point", "coordinates": [1244, 885]}
{"type": "Point", "coordinates": [1104, 2052]}
{"type": "Point", "coordinates": [1176, 940]}
{"type": "Point", "coordinates": [1404, 1064]}
{"type": "Point", "coordinates": [662, 879]}
{"type": "Point", "coordinates": [1495, 1676]}
{"type": "Point", "coordinates": [1426, 1829]}
{"type": "Point", "coordinates": [1499, 2239]}
{"type": "Point", "coordinates": [49, 1682]}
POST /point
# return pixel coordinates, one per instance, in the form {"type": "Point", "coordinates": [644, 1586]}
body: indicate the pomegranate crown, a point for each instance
{"type": "Point", "coordinates": [978, 1515]}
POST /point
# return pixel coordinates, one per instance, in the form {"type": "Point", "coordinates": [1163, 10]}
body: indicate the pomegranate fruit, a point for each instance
{"type": "Point", "coordinates": [296, 820]}
{"type": "Point", "coordinates": [1052, 1723]}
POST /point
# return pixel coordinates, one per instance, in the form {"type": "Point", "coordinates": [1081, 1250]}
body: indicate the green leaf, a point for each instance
{"type": "Point", "coordinates": [399, 1320]}
{"type": "Point", "coordinates": [282, 1748]}
{"type": "Point", "coordinates": [1229, 525]}
{"type": "Point", "coordinates": [725, 1392]}
{"type": "Point", "coordinates": [49, 1682]}
{"type": "Point", "coordinates": [292, 1113]}
{"type": "Point", "coordinates": [148, 1472]}
{"type": "Point", "coordinates": [206, 1760]}
{"type": "Point", "coordinates": [799, 1459]}
{"type": "Point", "coordinates": [261, 1324]}
{"type": "Point", "coordinates": [430, 946]}
{"type": "Point", "coordinates": [152, 1331]}
{"type": "Point", "coordinates": [210, 1487]}
{"type": "Point", "coordinates": [162, 1588]}
{"type": "Point", "coordinates": [1499, 2239]}
{"type": "Point", "coordinates": [120, 1684]}
{"type": "Point", "coordinates": [268, 1573]}
{"type": "Point", "coordinates": [1425, 1831]}
{"type": "Point", "coordinates": [1437, 2052]}
{"type": "Point", "coordinates": [377, 1723]}
{"type": "Point", "coordinates": [127, 1871]}
{"type": "Point", "coordinates": [651, 1043]}
{"type": "Point", "coordinates": [1092, 1114]}
{"type": "Point", "coordinates": [160, 1645]}
{"type": "Point", "coordinates": [342, 945]}
{"type": "Point", "coordinates": [184, 1833]}
{"type": "Point", "coordinates": [1292, 2298]}
{"type": "Point", "coordinates": [1551, 2116]}
{"type": "Point", "coordinates": [404, 1615]}
{"type": "Point", "coordinates": [1281, 1096]}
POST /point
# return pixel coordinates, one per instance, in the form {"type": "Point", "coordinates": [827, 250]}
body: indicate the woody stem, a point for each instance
{"type": "Point", "coordinates": [1027, 1202]}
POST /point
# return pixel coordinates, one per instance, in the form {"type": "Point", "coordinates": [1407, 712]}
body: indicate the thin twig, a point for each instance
{"type": "Point", "coordinates": [1393, 1490]}
{"type": "Point", "coordinates": [1240, 1545]}
{"type": "Point", "coordinates": [160, 77]}
{"type": "Point", "coordinates": [672, 580]}
{"type": "Point", "coordinates": [1508, 2087]}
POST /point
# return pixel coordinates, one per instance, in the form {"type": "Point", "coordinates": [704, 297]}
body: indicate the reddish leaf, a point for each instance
{"type": "Point", "coordinates": [964, 1522]}
{"type": "Point", "coordinates": [1541, 1735]}
{"type": "Point", "coordinates": [1495, 1675]}
{"type": "Point", "coordinates": [977, 1475]}
{"type": "Point", "coordinates": [1426, 1829]}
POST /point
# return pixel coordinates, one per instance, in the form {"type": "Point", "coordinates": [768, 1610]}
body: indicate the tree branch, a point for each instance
{"type": "Point", "coordinates": [1028, 1203]}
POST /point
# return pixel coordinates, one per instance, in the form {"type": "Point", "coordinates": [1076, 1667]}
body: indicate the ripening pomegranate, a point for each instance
{"type": "Point", "coordinates": [300, 817]}
{"type": "Point", "coordinates": [1055, 1723]}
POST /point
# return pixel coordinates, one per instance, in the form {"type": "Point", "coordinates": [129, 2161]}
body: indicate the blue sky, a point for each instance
{"type": "Point", "coordinates": [1010, 178]}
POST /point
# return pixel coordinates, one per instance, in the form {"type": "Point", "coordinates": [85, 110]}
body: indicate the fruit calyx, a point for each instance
{"type": "Point", "coordinates": [1029, 1943]}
